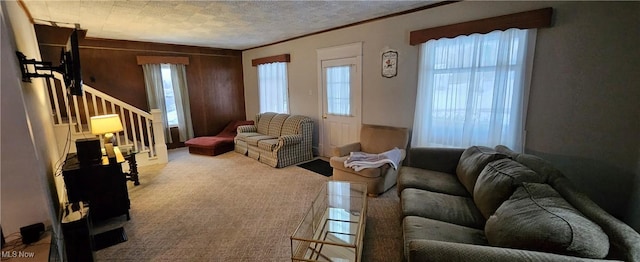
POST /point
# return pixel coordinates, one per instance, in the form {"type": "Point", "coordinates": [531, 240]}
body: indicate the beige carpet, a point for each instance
{"type": "Point", "coordinates": [233, 208]}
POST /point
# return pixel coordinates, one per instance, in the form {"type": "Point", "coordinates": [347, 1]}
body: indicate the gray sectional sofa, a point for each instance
{"type": "Point", "coordinates": [485, 204]}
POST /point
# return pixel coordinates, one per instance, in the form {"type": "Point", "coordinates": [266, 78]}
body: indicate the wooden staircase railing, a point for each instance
{"type": "Point", "coordinates": [142, 131]}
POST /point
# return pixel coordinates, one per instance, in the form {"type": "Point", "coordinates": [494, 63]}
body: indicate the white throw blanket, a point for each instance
{"type": "Point", "coordinates": [360, 160]}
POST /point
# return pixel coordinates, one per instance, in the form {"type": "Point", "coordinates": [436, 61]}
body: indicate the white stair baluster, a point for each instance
{"type": "Point", "coordinates": [154, 146]}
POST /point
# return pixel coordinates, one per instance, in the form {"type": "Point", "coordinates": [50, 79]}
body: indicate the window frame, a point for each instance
{"type": "Point", "coordinates": [433, 70]}
{"type": "Point", "coordinates": [278, 84]}
{"type": "Point", "coordinates": [282, 58]}
{"type": "Point", "coordinates": [164, 68]}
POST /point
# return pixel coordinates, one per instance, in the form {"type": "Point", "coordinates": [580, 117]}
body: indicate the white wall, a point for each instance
{"type": "Point", "coordinates": [28, 147]}
{"type": "Point", "coordinates": [583, 111]}
{"type": "Point", "coordinates": [388, 101]}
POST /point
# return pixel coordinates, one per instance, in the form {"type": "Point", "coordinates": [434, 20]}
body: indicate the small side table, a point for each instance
{"type": "Point", "coordinates": [130, 157]}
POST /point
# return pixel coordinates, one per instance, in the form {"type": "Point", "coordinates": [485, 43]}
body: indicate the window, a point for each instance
{"type": "Point", "coordinates": [339, 90]}
{"type": "Point", "coordinates": [166, 86]}
{"type": "Point", "coordinates": [272, 86]}
{"type": "Point", "coordinates": [169, 98]}
{"type": "Point", "coordinates": [471, 90]}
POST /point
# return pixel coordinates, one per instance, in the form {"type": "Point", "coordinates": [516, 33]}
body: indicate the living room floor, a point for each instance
{"type": "Point", "coordinates": [232, 208]}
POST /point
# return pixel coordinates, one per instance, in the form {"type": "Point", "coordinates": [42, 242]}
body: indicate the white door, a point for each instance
{"type": "Point", "coordinates": [341, 103]}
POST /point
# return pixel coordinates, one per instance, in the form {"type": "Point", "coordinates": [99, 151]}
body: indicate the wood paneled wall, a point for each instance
{"type": "Point", "coordinates": [214, 76]}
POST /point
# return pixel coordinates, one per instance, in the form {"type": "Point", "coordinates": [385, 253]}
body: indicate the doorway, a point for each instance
{"type": "Point", "coordinates": [340, 89]}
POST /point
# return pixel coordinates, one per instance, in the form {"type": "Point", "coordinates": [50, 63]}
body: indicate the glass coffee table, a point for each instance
{"type": "Point", "coordinates": [333, 228]}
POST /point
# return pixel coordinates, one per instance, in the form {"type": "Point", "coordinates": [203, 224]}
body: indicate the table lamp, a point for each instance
{"type": "Point", "coordinates": [107, 125]}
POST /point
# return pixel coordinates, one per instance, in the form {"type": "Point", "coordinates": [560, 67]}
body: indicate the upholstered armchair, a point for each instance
{"type": "Point", "coordinates": [373, 139]}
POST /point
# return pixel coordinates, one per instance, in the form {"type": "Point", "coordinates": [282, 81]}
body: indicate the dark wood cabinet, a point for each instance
{"type": "Point", "coordinates": [102, 186]}
{"type": "Point", "coordinates": [76, 229]}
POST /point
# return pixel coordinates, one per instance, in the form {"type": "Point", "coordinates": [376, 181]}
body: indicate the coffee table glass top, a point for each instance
{"type": "Point", "coordinates": [333, 228]}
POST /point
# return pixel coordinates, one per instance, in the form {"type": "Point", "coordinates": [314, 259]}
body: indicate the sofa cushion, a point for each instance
{"type": "Point", "coordinates": [244, 136]}
{"type": "Point", "coordinates": [537, 218]}
{"type": "Point", "coordinates": [268, 144]}
{"type": "Point", "coordinates": [253, 140]}
{"type": "Point", "coordinates": [434, 181]}
{"type": "Point", "coordinates": [263, 122]}
{"type": "Point", "coordinates": [376, 139]}
{"type": "Point", "coordinates": [415, 227]}
{"type": "Point", "coordinates": [498, 180]}
{"type": "Point", "coordinates": [624, 241]}
{"type": "Point", "coordinates": [420, 228]}
{"type": "Point", "coordinates": [447, 208]}
{"type": "Point", "coordinates": [338, 163]}
{"type": "Point", "coordinates": [538, 165]}
{"type": "Point", "coordinates": [275, 126]}
{"type": "Point", "coordinates": [625, 246]}
{"type": "Point", "coordinates": [507, 151]}
{"type": "Point", "coordinates": [435, 158]}
{"type": "Point", "coordinates": [291, 125]}
{"type": "Point", "coordinates": [471, 163]}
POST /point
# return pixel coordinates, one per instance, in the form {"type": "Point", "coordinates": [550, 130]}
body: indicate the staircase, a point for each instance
{"type": "Point", "coordinates": [142, 131]}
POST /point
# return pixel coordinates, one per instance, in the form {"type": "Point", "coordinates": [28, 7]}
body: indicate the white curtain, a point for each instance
{"type": "Point", "coordinates": [273, 88]}
{"type": "Point", "coordinates": [338, 81]}
{"type": "Point", "coordinates": [472, 90]}
{"type": "Point", "coordinates": [181, 94]}
{"type": "Point", "coordinates": [155, 94]}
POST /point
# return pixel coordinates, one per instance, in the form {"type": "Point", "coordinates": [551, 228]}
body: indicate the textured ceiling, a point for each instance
{"type": "Point", "coordinates": [221, 24]}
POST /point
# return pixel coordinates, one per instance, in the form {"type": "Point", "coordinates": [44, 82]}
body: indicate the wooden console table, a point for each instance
{"type": "Point", "coordinates": [132, 175]}
{"type": "Point", "coordinates": [103, 186]}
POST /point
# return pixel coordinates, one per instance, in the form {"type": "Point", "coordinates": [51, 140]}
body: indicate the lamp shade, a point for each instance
{"type": "Point", "coordinates": [105, 124]}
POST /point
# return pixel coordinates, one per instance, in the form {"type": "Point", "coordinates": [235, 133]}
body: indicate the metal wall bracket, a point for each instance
{"type": "Point", "coordinates": [27, 74]}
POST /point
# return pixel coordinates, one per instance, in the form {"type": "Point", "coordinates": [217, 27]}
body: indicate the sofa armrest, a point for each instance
{"type": "Point", "coordinates": [437, 159]}
{"type": "Point", "coordinates": [624, 240]}
{"type": "Point", "coordinates": [431, 250]}
{"type": "Point", "coordinates": [344, 150]}
{"type": "Point", "coordinates": [247, 129]}
{"type": "Point", "coordinates": [289, 140]}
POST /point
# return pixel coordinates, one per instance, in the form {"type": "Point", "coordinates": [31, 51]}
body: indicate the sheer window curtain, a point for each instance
{"type": "Point", "coordinates": [472, 90]}
{"type": "Point", "coordinates": [338, 90]}
{"type": "Point", "coordinates": [273, 88]}
{"type": "Point", "coordinates": [155, 94]}
{"type": "Point", "coordinates": [156, 97]}
{"type": "Point", "coordinates": [183, 108]}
